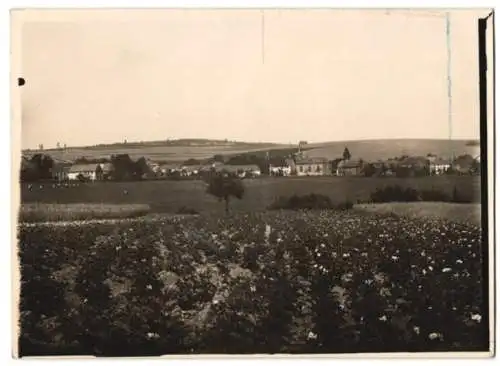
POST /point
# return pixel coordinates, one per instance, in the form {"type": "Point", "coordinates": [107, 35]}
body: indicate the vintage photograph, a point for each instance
{"type": "Point", "coordinates": [252, 181]}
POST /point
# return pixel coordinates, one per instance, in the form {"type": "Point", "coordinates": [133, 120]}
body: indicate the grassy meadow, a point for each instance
{"type": "Point", "coordinates": [170, 196]}
{"type": "Point", "coordinates": [47, 212]}
{"type": "Point", "coordinates": [159, 151]}
{"type": "Point", "coordinates": [456, 212]}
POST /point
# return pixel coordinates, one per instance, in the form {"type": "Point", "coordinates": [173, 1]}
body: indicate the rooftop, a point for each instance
{"type": "Point", "coordinates": [349, 164]}
{"type": "Point", "coordinates": [311, 161]}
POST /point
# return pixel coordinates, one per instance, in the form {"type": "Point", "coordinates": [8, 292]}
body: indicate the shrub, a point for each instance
{"type": "Point", "coordinates": [434, 195]}
{"type": "Point", "coordinates": [394, 193]}
{"type": "Point", "coordinates": [311, 201]}
{"type": "Point", "coordinates": [295, 202]}
{"type": "Point", "coordinates": [399, 194]}
{"type": "Point", "coordinates": [344, 206]}
{"type": "Point", "coordinates": [459, 197]}
{"type": "Point", "coordinates": [184, 210]}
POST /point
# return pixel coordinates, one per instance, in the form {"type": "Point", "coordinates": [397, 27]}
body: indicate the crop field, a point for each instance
{"type": "Point", "coordinates": [169, 196]}
{"type": "Point", "coordinates": [268, 282]}
{"type": "Point", "coordinates": [157, 152]}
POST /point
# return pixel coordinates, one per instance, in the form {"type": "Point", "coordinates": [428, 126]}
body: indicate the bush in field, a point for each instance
{"type": "Point", "coordinates": [225, 186]}
{"type": "Point", "coordinates": [311, 201]}
{"type": "Point", "coordinates": [187, 211]}
{"type": "Point", "coordinates": [434, 195]}
{"type": "Point", "coordinates": [459, 197]}
{"type": "Point", "coordinates": [394, 193]}
{"type": "Point", "coordinates": [397, 193]}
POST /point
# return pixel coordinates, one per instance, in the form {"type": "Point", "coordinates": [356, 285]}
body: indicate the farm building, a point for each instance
{"type": "Point", "coordinates": [438, 166]}
{"type": "Point", "coordinates": [282, 170]}
{"type": "Point", "coordinates": [106, 170]}
{"type": "Point", "coordinates": [312, 166]}
{"type": "Point", "coordinates": [154, 166]}
{"type": "Point", "coordinates": [349, 167]}
{"type": "Point", "coordinates": [414, 163]}
{"type": "Point", "coordinates": [281, 167]}
{"type": "Point", "coordinates": [190, 170]}
{"type": "Point", "coordinates": [60, 172]}
{"type": "Point", "coordinates": [241, 170]}
{"type": "Point", "coordinates": [87, 171]}
{"type": "Point", "coordinates": [166, 169]}
{"type": "Point", "coordinates": [90, 171]}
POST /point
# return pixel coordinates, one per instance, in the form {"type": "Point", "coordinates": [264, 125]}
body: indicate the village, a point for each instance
{"type": "Point", "coordinates": [295, 164]}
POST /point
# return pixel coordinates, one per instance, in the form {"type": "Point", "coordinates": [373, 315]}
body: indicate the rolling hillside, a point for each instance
{"type": "Point", "coordinates": [182, 150]}
{"type": "Point", "coordinates": [370, 150]}
{"type": "Point", "coordinates": [179, 150]}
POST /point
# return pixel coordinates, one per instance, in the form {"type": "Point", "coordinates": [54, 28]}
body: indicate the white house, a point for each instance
{"type": "Point", "coordinates": [438, 166]}
{"type": "Point", "coordinates": [241, 170]}
{"type": "Point", "coordinates": [312, 166]}
{"type": "Point", "coordinates": [280, 170]}
{"type": "Point", "coordinates": [88, 171]}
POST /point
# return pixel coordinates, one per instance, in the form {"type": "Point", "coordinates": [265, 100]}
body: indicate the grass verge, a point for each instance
{"type": "Point", "coordinates": [45, 212]}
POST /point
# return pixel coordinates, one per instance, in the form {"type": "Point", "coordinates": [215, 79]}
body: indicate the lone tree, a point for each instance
{"type": "Point", "coordinates": [346, 155]}
{"type": "Point", "coordinates": [224, 186]}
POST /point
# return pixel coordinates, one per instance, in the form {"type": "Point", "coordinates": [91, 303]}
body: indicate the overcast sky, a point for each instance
{"type": "Point", "coordinates": [287, 75]}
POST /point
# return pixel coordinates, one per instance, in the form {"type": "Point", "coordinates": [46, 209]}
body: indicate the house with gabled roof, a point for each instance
{"type": "Point", "coordinates": [439, 166]}
{"type": "Point", "coordinates": [306, 166]}
{"type": "Point", "coordinates": [349, 167]}
{"type": "Point", "coordinates": [240, 170]}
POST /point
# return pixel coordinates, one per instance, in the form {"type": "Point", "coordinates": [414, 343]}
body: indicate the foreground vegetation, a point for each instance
{"type": "Point", "coordinates": [287, 282]}
{"type": "Point", "coordinates": [43, 212]}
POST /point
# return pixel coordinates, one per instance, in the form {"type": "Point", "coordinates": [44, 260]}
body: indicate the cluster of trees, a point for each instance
{"type": "Point", "coordinates": [124, 168]}
{"type": "Point", "coordinates": [38, 167]}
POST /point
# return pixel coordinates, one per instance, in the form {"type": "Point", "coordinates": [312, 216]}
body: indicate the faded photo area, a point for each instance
{"type": "Point", "coordinates": [252, 181]}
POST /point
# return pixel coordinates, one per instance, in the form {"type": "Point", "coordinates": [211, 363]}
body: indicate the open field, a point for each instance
{"type": "Point", "coordinates": [160, 152]}
{"type": "Point", "coordinates": [169, 196]}
{"type": "Point", "coordinates": [364, 149]}
{"type": "Point", "coordinates": [43, 212]}
{"type": "Point", "coordinates": [456, 212]}
{"type": "Point", "coordinates": [253, 283]}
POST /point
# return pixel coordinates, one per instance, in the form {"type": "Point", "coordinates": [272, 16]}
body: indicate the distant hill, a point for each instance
{"type": "Point", "coordinates": [170, 150]}
{"type": "Point", "coordinates": [370, 150]}
{"type": "Point", "coordinates": [181, 150]}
